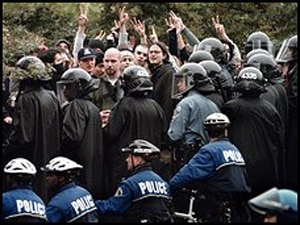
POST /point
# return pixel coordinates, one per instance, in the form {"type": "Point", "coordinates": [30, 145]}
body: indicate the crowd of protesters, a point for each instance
{"type": "Point", "coordinates": [113, 130]}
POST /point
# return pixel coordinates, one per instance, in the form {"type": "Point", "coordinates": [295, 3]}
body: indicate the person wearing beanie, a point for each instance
{"type": "Point", "coordinates": [127, 59]}
{"type": "Point", "coordinates": [99, 69]}
{"type": "Point", "coordinates": [97, 44]}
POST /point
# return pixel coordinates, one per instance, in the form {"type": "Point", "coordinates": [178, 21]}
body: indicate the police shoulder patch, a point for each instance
{"type": "Point", "coordinates": [119, 192]}
{"type": "Point", "coordinates": [176, 112]}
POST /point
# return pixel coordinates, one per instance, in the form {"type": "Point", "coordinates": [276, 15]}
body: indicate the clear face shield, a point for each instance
{"type": "Point", "coordinates": [179, 86]}
{"type": "Point", "coordinates": [14, 88]}
{"type": "Point", "coordinates": [259, 44]}
{"type": "Point", "coordinates": [283, 53]}
{"type": "Point", "coordinates": [65, 92]}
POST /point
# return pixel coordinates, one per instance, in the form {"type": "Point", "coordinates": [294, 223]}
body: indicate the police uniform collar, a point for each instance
{"type": "Point", "coordinates": [66, 186]}
{"type": "Point", "coordinates": [140, 168]}
{"type": "Point", "coordinates": [23, 186]}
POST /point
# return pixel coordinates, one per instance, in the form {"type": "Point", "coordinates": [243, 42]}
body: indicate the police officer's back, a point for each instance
{"type": "Point", "coordinates": [144, 195]}
{"type": "Point", "coordinates": [218, 171]}
{"type": "Point", "coordinates": [19, 201]}
{"type": "Point", "coordinates": [70, 202]}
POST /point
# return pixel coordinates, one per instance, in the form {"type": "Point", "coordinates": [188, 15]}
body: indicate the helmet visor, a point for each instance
{"type": "Point", "coordinates": [179, 86]}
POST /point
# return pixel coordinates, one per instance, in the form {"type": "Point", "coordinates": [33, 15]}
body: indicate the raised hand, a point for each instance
{"type": "Point", "coordinates": [83, 18]}
{"type": "Point", "coordinates": [116, 27]}
{"type": "Point", "coordinates": [177, 22]}
{"type": "Point", "coordinates": [138, 26]}
{"type": "Point", "coordinates": [101, 35]}
{"type": "Point", "coordinates": [219, 28]}
{"type": "Point", "coordinates": [123, 16]}
{"type": "Point", "coordinates": [153, 36]}
{"type": "Point", "coordinates": [170, 24]}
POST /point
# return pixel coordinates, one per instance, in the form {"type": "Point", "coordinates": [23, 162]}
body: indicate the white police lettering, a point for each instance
{"type": "Point", "coordinates": [231, 155]}
{"type": "Point", "coordinates": [83, 203]}
{"type": "Point", "coordinates": [142, 73]}
{"type": "Point", "coordinates": [249, 76]}
{"type": "Point", "coordinates": [29, 206]}
{"type": "Point", "coordinates": [156, 187]}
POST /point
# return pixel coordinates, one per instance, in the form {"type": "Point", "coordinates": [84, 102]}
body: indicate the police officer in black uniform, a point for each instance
{"type": "Point", "coordinates": [144, 195]}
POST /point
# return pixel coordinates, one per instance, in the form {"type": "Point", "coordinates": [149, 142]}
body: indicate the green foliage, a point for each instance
{"type": "Point", "coordinates": [25, 24]}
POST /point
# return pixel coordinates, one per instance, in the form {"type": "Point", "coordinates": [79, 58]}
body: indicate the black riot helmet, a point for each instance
{"type": "Point", "coordinates": [251, 81]}
{"type": "Point", "coordinates": [211, 67]}
{"type": "Point", "coordinates": [76, 83]}
{"type": "Point", "coordinates": [266, 64]}
{"type": "Point", "coordinates": [254, 52]}
{"type": "Point", "coordinates": [259, 39]}
{"type": "Point", "coordinates": [136, 81]}
{"type": "Point", "coordinates": [190, 76]}
{"type": "Point", "coordinates": [200, 55]}
{"type": "Point", "coordinates": [215, 47]}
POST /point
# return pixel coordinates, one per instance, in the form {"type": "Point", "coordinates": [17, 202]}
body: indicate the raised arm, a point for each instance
{"type": "Point", "coordinates": [221, 33]}
{"type": "Point", "coordinates": [139, 27]}
{"type": "Point", "coordinates": [80, 34]}
{"type": "Point", "coordinates": [123, 35]}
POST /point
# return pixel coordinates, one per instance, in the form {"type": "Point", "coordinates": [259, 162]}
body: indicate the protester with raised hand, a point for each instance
{"type": "Point", "coordinates": [80, 34]}
{"type": "Point", "coordinates": [234, 55]}
{"type": "Point", "coordinates": [139, 27]}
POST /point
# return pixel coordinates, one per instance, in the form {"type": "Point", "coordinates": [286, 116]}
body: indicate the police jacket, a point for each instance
{"type": "Point", "coordinates": [22, 204]}
{"type": "Point", "coordinates": [188, 118]}
{"type": "Point", "coordinates": [218, 169]}
{"type": "Point", "coordinates": [141, 197]}
{"type": "Point", "coordinates": [72, 203]}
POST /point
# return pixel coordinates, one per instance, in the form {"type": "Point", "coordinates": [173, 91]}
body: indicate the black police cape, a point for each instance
{"type": "Point", "coordinates": [257, 130]}
{"type": "Point", "coordinates": [36, 131]}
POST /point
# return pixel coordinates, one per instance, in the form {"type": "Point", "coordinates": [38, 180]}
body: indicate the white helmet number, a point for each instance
{"type": "Point", "coordinates": [249, 76]}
